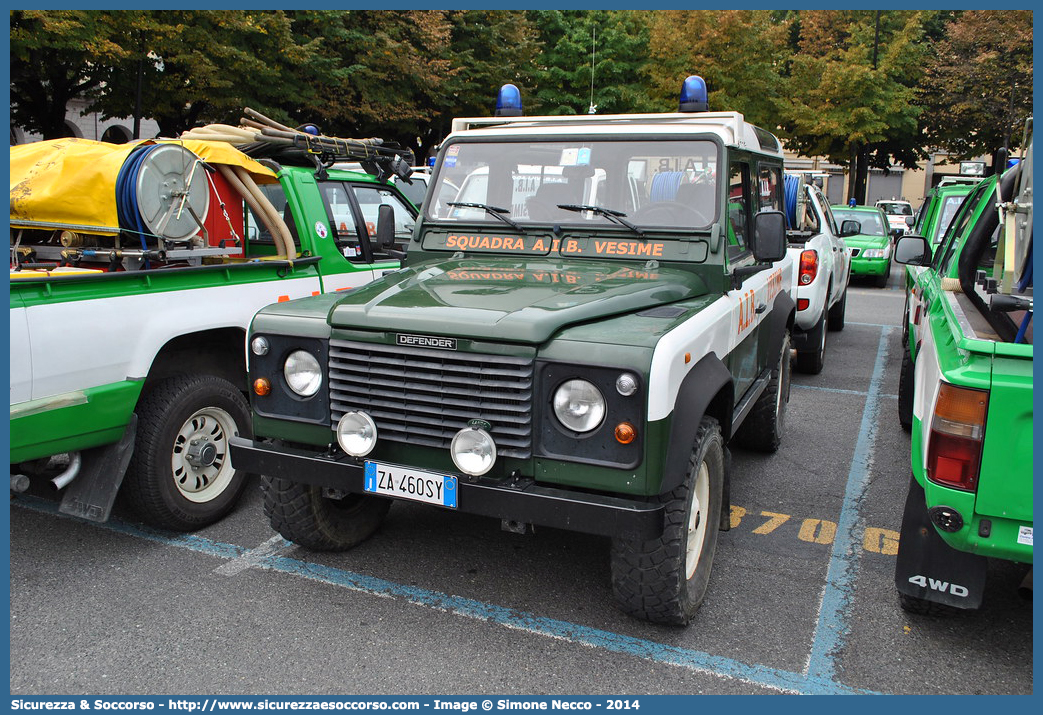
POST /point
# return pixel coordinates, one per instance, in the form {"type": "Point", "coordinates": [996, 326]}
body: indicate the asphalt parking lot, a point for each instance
{"type": "Point", "coordinates": [801, 598]}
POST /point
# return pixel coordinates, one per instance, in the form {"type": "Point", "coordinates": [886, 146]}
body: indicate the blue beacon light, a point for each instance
{"type": "Point", "coordinates": [508, 101]}
{"type": "Point", "coordinates": [694, 95]}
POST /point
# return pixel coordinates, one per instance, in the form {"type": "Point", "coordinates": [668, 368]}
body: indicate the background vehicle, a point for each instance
{"type": "Point", "coordinates": [822, 270]}
{"type": "Point", "coordinates": [966, 395]}
{"type": "Point", "coordinates": [871, 246]}
{"type": "Point", "coordinates": [545, 360]}
{"type": "Point", "coordinates": [134, 273]}
{"type": "Point", "coordinates": [899, 215]}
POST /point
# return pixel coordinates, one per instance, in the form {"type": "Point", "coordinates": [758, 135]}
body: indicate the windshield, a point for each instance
{"type": "Point", "coordinates": [896, 208]}
{"type": "Point", "coordinates": [870, 222]}
{"type": "Point", "coordinates": [950, 205]}
{"type": "Point", "coordinates": [658, 184]}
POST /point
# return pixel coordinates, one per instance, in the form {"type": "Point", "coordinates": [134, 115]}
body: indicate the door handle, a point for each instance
{"type": "Point", "coordinates": [760, 308]}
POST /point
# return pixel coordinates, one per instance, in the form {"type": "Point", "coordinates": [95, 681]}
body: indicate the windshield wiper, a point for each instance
{"type": "Point", "coordinates": [611, 214]}
{"type": "Point", "coordinates": [496, 211]}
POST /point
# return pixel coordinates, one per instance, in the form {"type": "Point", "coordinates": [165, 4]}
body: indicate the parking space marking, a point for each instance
{"type": "Point", "coordinates": [832, 628]}
{"type": "Point", "coordinates": [253, 557]}
{"type": "Point", "coordinates": [876, 540]}
{"type": "Point", "coordinates": [839, 390]}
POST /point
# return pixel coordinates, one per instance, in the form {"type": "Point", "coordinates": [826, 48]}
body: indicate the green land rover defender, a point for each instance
{"type": "Point", "coordinates": [575, 339]}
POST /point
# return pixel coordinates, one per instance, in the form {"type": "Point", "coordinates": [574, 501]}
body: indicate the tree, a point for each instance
{"type": "Point", "coordinates": [196, 67]}
{"type": "Point", "coordinates": [850, 91]}
{"type": "Point", "coordinates": [740, 54]}
{"type": "Point", "coordinates": [977, 92]}
{"type": "Point", "coordinates": [58, 56]}
{"type": "Point", "coordinates": [591, 57]}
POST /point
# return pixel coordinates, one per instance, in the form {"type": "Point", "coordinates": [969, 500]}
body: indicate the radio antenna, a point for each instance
{"type": "Point", "coordinates": [593, 46]}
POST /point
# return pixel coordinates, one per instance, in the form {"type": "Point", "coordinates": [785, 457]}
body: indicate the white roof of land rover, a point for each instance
{"type": "Point", "coordinates": [731, 127]}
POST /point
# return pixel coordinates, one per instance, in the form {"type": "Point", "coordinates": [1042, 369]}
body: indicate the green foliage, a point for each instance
{"type": "Point", "coordinates": [977, 91]}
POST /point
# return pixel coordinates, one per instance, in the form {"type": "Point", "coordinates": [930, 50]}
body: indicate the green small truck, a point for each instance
{"type": "Point", "coordinates": [966, 395]}
{"type": "Point", "coordinates": [135, 271]}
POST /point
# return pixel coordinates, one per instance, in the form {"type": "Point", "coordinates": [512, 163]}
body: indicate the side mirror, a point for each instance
{"type": "Point", "coordinates": [385, 226]}
{"type": "Point", "coordinates": [769, 236]}
{"type": "Point", "coordinates": [912, 250]}
{"type": "Point", "coordinates": [850, 228]}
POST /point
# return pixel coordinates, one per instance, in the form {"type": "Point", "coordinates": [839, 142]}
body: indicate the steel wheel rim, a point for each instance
{"type": "Point", "coordinates": [697, 520]}
{"type": "Point", "coordinates": [200, 461]}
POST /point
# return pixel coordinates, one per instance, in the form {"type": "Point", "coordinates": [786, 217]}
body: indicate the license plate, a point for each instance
{"type": "Point", "coordinates": [413, 484]}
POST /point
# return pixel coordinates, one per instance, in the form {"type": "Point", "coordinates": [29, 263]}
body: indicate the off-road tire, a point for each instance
{"type": "Point", "coordinates": [836, 313]}
{"type": "Point", "coordinates": [160, 485]}
{"type": "Point", "coordinates": [811, 362]}
{"type": "Point", "coordinates": [657, 580]}
{"type": "Point", "coordinates": [301, 513]}
{"type": "Point", "coordinates": [763, 427]}
{"type": "Point", "coordinates": [905, 392]}
{"type": "Point", "coordinates": [923, 607]}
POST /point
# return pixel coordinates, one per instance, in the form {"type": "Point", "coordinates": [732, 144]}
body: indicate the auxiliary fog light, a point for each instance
{"type": "Point", "coordinates": [357, 434]}
{"type": "Point", "coordinates": [259, 345]}
{"type": "Point", "coordinates": [626, 384]}
{"type": "Point", "coordinates": [474, 451]}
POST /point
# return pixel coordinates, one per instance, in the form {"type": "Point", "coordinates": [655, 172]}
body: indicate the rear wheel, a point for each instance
{"type": "Point", "coordinates": [180, 476]}
{"type": "Point", "coordinates": [664, 580]}
{"type": "Point", "coordinates": [836, 313]}
{"type": "Point", "coordinates": [317, 519]}
{"type": "Point", "coordinates": [762, 429]}
{"type": "Point", "coordinates": [812, 361]}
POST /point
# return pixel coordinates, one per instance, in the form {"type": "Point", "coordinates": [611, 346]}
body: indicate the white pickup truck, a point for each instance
{"type": "Point", "coordinates": [822, 269]}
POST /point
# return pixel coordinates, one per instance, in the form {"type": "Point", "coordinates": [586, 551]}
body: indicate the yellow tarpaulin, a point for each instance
{"type": "Point", "coordinates": [71, 183]}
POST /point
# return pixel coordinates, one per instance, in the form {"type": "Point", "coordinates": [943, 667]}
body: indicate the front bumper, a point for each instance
{"type": "Point", "coordinates": [520, 500]}
{"type": "Point", "coordinates": [870, 266]}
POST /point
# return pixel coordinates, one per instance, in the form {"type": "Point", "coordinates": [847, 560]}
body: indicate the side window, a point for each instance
{"type": "Point", "coordinates": [943, 256]}
{"type": "Point", "coordinates": [738, 208]}
{"type": "Point", "coordinates": [371, 198]}
{"type": "Point", "coordinates": [256, 231]}
{"type": "Point", "coordinates": [770, 189]}
{"type": "Point", "coordinates": [827, 212]}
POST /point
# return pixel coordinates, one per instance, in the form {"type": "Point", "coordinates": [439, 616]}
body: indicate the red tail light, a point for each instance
{"type": "Point", "coordinates": [957, 433]}
{"type": "Point", "coordinates": [808, 267]}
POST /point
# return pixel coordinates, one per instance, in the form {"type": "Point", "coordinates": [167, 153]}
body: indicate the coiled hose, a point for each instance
{"type": "Point", "coordinates": [127, 194]}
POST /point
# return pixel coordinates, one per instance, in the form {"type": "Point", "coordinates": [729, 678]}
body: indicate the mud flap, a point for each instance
{"type": "Point", "coordinates": [927, 568]}
{"type": "Point", "coordinates": [91, 495]}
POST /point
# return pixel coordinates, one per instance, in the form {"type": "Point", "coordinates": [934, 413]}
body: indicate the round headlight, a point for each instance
{"type": "Point", "coordinates": [579, 405]}
{"type": "Point", "coordinates": [357, 434]}
{"type": "Point", "coordinates": [474, 451]}
{"type": "Point", "coordinates": [303, 373]}
{"type": "Point", "coordinates": [259, 345]}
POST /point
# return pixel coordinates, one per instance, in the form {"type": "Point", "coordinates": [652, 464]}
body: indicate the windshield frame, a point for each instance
{"type": "Point", "coordinates": [584, 220]}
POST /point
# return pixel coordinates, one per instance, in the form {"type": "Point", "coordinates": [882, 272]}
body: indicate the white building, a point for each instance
{"type": "Point", "coordinates": [92, 126]}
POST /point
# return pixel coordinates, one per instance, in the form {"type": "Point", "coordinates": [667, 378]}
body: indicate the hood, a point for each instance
{"type": "Point", "coordinates": [507, 299]}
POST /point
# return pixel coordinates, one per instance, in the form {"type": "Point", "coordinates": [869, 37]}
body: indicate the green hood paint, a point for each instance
{"type": "Point", "coordinates": [866, 241]}
{"type": "Point", "coordinates": [510, 299]}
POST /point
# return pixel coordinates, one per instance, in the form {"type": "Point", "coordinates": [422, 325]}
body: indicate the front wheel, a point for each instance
{"type": "Point", "coordinates": [311, 517]}
{"type": "Point", "coordinates": [664, 580]}
{"type": "Point", "coordinates": [180, 476]}
{"type": "Point", "coordinates": [905, 392]}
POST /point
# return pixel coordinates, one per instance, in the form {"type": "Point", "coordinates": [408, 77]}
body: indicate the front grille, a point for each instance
{"type": "Point", "coordinates": [422, 396]}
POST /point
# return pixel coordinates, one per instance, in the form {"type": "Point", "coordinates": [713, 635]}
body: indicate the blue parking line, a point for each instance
{"type": "Point", "coordinates": [832, 628]}
{"type": "Point", "coordinates": [829, 637]}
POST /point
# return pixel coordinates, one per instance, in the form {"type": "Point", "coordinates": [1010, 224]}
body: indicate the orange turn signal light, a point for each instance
{"type": "Point", "coordinates": [625, 433]}
{"type": "Point", "coordinates": [262, 387]}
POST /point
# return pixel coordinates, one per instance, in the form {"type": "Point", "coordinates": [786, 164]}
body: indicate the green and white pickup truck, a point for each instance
{"type": "Point", "coordinates": [574, 342]}
{"type": "Point", "coordinates": [135, 271]}
{"type": "Point", "coordinates": [966, 395]}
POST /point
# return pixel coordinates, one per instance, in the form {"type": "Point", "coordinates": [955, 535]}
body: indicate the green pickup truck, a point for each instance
{"type": "Point", "coordinates": [966, 395]}
{"type": "Point", "coordinates": [574, 341]}
{"type": "Point", "coordinates": [135, 272]}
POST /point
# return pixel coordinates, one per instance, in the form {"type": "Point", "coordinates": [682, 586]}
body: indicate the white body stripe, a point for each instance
{"type": "Point", "coordinates": [717, 329]}
{"type": "Point", "coordinates": [21, 365]}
